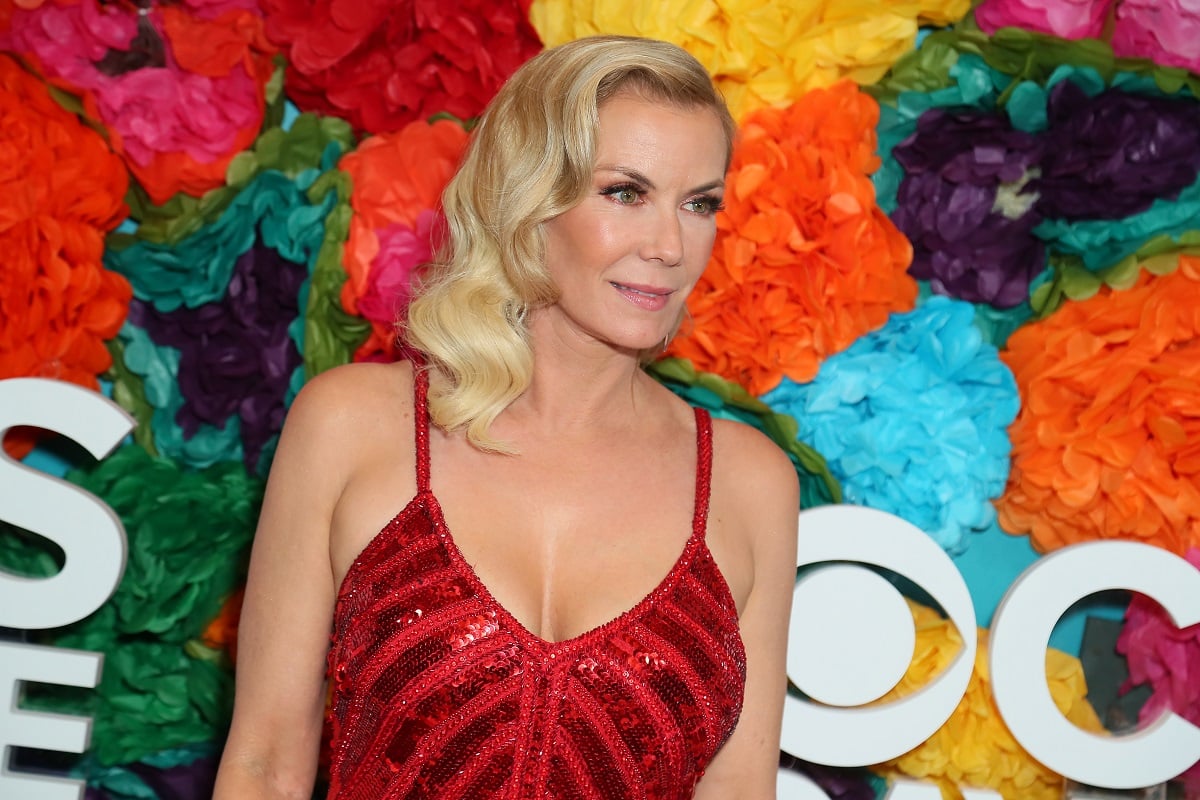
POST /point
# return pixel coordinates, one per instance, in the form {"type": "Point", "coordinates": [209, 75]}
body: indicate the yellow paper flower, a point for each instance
{"type": "Point", "coordinates": [974, 747]}
{"type": "Point", "coordinates": [761, 52]}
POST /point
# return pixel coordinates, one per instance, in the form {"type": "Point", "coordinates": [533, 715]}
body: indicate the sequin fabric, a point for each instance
{"type": "Point", "coordinates": [438, 692]}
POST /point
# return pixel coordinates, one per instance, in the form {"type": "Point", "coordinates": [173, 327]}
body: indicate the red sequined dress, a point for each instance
{"type": "Point", "coordinates": [439, 692]}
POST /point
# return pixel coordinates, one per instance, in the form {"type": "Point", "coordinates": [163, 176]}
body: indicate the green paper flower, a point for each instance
{"type": "Point", "coordinates": [727, 400]}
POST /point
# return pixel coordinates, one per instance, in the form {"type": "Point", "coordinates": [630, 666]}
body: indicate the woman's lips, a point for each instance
{"type": "Point", "coordinates": [650, 298]}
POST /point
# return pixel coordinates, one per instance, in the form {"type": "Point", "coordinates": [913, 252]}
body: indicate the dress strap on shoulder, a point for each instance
{"type": "Point", "coordinates": [421, 425]}
{"type": "Point", "coordinates": [704, 450]}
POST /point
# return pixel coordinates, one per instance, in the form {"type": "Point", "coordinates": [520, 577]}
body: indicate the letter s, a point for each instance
{"type": "Point", "coordinates": [85, 528]}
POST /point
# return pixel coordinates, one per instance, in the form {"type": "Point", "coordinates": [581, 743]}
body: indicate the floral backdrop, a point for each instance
{"type": "Point", "coordinates": [957, 279]}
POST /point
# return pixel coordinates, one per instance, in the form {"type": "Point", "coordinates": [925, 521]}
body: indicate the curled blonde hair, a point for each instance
{"type": "Point", "coordinates": [530, 159]}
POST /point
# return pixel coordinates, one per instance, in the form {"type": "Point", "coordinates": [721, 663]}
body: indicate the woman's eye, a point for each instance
{"type": "Point", "coordinates": [624, 194]}
{"type": "Point", "coordinates": [704, 205]}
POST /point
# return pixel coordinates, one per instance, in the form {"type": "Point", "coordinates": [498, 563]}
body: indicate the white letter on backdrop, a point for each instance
{"type": "Point", "coordinates": [792, 785]}
{"type": "Point", "coordinates": [93, 541]}
{"type": "Point", "coordinates": [25, 662]}
{"type": "Point", "coordinates": [86, 529]}
{"type": "Point", "coordinates": [1021, 632]}
{"type": "Point", "coordinates": [851, 638]}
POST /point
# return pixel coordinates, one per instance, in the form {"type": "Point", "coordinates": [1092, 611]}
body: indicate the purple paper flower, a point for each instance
{"type": "Point", "coordinates": [964, 207]}
{"type": "Point", "coordinates": [1111, 155]}
{"type": "Point", "coordinates": [236, 356]}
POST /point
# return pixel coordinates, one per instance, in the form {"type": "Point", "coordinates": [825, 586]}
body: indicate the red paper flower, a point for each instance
{"type": "Point", "coordinates": [61, 190]}
{"type": "Point", "coordinates": [805, 261]}
{"type": "Point", "coordinates": [383, 63]}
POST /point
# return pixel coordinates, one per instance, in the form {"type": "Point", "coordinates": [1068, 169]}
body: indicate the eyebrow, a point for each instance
{"type": "Point", "coordinates": [638, 177]}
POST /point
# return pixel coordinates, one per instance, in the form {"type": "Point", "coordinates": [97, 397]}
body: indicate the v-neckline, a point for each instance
{"type": "Point", "coordinates": [693, 544]}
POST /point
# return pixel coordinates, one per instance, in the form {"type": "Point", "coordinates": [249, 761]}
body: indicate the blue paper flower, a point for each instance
{"type": "Point", "coordinates": [912, 419]}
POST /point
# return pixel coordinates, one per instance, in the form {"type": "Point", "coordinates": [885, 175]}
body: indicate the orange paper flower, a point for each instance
{"type": "Point", "coordinates": [974, 747]}
{"type": "Point", "coordinates": [805, 261]}
{"type": "Point", "coordinates": [61, 190]}
{"type": "Point", "coordinates": [398, 178]}
{"type": "Point", "coordinates": [221, 633]}
{"type": "Point", "coordinates": [1107, 443]}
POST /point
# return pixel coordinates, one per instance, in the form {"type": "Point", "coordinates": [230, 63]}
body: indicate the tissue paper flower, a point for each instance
{"type": "Point", "coordinates": [403, 251]}
{"type": "Point", "coordinates": [1164, 31]}
{"type": "Point", "coordinates": [236, 356]}
{"type": "Point", "coordinates": [397, 185]}
{"type": "Point", "coordinates": [271, 230]}
{"type": "Point", "coordinates": [154, 695]}
{"type": "Point", "coordinates": [180, 95]}
{"type": "Point", "coordinates": [1111, 155]}
{"type": "Point", "coordinates": [965, 205]}
{"type": "Point", "coordinates": [911, 419]}
{"type": "Point", "coordinates": [974, 748]}
{"type": "Point", "coordinates": [1164, 656]}
{"type": "Point", "coordinates": [382, 64]}
{"type": "Point", "coordinates": [805, 262]}
{"type": "Point", "coordinates": [61, 190]}
{"type": "Point", "coordinates": [1067, 19]}
{"type": "Point", "coordinates": [761, 54]}
{"type": "Point", "coordinates": [1107, 443]}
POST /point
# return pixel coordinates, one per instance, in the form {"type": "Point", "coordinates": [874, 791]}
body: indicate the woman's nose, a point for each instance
{"type": "Point", "coordinates": [663, 239]}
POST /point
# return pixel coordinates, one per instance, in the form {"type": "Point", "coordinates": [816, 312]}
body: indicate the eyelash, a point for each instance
{"type": "Point", "coordinates": [712, 202]}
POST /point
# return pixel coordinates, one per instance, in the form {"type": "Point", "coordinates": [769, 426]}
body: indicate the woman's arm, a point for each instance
{"type": "Point", "coordinates": [767, 513]}
{"type": "Point", "coordinates": [283, 635]}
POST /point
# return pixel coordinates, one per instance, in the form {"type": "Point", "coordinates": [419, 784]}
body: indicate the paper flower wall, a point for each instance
{"type": "Point", "coordinates": [381, 64]}
{"type": "Point", "coordinates": [398, 181]}
{"type": "Point", "coordinates": [61, 190]}
{"type": "Point", "coordinates": [912, 420]}
{"type": "Point", "coordinates": [1164, 31]}
{"type": "Point", "coordinates": [1070, 19]}
{"type": "Point", "coordinates": [761, 54]}
{"type": "Point", "coordinates": [157, 690]}
{"type": "Point", "coordinates": [1105, 446]}
{"type": "Point", "coordinates": [1036, 177]}
{"type": "Point", "coordinates": [805, 262]}
{"type": "Point", "coordinates": [181, 95]}
{"type": "Point", "coordinates": [966, 204]}
{"type": "Point", "coordinates": [1165, 657]}
{"type": "Point", "coordinates": [974, 747]}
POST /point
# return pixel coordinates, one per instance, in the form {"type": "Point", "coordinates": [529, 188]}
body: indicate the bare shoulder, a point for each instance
{"type": "Point", "coordinates": [750, 465]}
{"type": "Point", "coordinates": [340, 417]}
{"type": "Point", "coordinates": [353, 392]}
{"type": "Point", "coordinates": [756, 497]}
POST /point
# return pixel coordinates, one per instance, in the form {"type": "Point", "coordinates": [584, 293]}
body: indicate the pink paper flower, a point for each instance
{"type": "Point", "coordinates": [1069, 19]}
{"type": "Point", "coordinates": [402, 250]}
{"type": "Point", "coordinates": [178, 116]}
{"type": "Point", "coordinates": [1166, 657]}
{"type": "Point", "coordinates": [1164, 31]}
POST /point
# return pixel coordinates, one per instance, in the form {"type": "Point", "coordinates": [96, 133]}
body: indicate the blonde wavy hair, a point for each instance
{"type": "Point", "coordinates": [530, 158]}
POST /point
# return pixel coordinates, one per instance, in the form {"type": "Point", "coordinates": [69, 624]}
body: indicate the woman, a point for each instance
{"type": "Point", "coordinates": [510, 632]}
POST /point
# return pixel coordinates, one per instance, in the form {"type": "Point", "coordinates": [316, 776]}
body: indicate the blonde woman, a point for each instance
{"type": "Point", "coordinates": [545, 575]}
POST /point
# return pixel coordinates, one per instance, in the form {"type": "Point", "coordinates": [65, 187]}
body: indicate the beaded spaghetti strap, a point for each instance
{"type": "Point", "coordinates": [703, 472]}
{"type": "Point", "coordinates": [421, 426]}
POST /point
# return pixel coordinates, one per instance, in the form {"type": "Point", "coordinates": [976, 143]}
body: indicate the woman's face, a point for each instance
{"type": "Point", "coordinates": [625, 258]}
